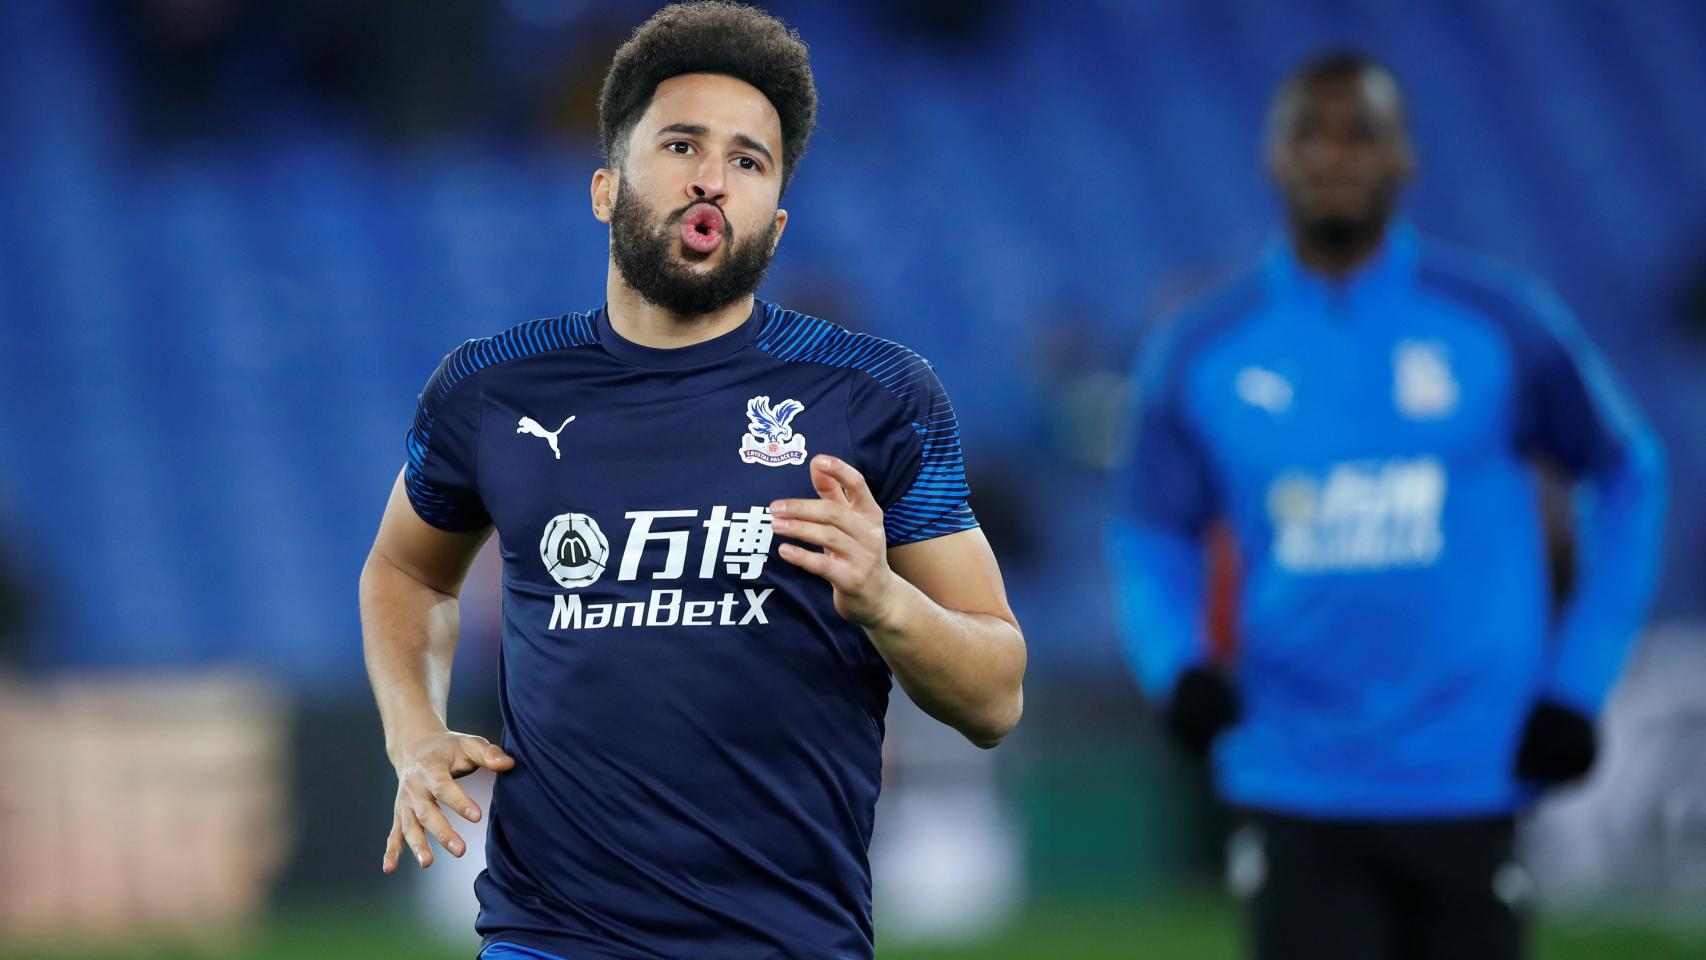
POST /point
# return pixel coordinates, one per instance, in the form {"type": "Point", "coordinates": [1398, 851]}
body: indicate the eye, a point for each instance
{"type": "Point", "coordinates": [679, 147]}
{"type": "Point", "coordinates": [747, 163]}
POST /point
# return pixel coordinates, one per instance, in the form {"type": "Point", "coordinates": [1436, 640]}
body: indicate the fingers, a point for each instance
{"type": "Point", "coordinates": [445, 791]}
{"type": "Point", "coordinates": [839, 487]}
{"type": "Point", "coordinates": [431, 818]}
{"type": "Point", "coordinates": [428, 780]}
{"type": "Point", "coordinates": [413, 835]}
{"type": "Point", "coordinates": [843, 535]}
{"type": "Point", "coordinates": [418, 816]}
{"type": "Point", "coordinates": [842, 574]}
{"type": "Point", "coordinates": [867, 528]}
{"type": "Point", "coordinates": [828, 536]}
{"type": "Point", "coordinates": [859, 578]}
{"type": "Point", "coordinates": [851, 481]}
{"type": "Point", "coordinates": [845, 522]}
{"type": "Point", "coordinates": [820, 511]}
{"type": "Point", "coordinates": [825, 565]}
{"type": "Point", "coordinates": [826, 483]}
{"type": "Point", "coordinates": [393, 848]}
{"type": "Point", "coordinates": [486, 754]}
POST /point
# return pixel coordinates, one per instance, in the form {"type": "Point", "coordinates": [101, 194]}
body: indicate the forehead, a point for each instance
{"type": "Point", "coordinates": [726, 105]}
{"type": "Point", "coordinates": [1361, 96]}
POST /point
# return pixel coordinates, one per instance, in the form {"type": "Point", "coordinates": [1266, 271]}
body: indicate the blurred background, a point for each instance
{"type": "Point", "coordinates": [236, 236]}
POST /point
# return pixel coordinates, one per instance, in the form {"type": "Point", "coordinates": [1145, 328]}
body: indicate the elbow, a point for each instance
{"type": "Point", "coordinates": [988, 735]}
{"type": "Point", "coordinates": [379, 577]}
{"type": "Point", "coordinates": [1635, 490]}
{"type": "Point", "coordinates": [1002, 711]}
{"type": "Point", "coordinates": [1645, 466]}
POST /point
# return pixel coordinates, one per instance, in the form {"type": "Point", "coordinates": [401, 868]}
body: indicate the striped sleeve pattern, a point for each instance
{"type": "Point", "coordinates": [922, 483]}
{"type": "Point", "coordinates": [442, 444]}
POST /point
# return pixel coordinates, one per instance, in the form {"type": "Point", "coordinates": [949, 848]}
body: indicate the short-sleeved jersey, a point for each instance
{"type": "Point", "coordinates": [697, 733]}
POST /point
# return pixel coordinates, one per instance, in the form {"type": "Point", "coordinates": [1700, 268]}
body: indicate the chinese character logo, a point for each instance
{"type": "Point", "coordinates": [574, 549]}
{"type": "Point", "coordinates": [748, 544]}
{"type": "Point", "coordinates": [738, 541]}
{"type": "Point", "coordinates": [770, 440]}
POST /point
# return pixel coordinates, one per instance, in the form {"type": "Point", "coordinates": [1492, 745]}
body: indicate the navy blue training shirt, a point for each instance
{"type": "Point", "coordinates": [697, 732]}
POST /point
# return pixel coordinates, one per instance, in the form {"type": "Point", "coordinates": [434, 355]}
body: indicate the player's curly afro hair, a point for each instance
{"type": "Point", "coordinates": [711, 36]}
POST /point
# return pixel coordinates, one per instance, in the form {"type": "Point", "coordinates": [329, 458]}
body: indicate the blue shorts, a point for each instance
{"type": "Point", "coordinates": [515, 951]}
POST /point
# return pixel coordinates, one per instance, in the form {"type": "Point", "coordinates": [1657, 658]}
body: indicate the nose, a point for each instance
{"type": "Point", "coordinates": [1332, 156]}
{"type": "Point", "coordinates": [708, 182]}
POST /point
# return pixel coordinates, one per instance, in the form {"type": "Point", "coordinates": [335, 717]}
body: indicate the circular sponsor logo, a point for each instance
{"type": "Point", "coordinates": [1293, 498]}
{"type": "Point", "coordinates": [574, 549]}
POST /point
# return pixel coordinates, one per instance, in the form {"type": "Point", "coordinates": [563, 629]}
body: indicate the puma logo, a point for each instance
{"type": "Point", "coordinates": [531, 426]}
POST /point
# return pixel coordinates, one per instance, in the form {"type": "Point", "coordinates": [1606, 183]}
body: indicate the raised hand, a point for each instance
{"type": "Point", "coordinates": [847, 524]}
{"type": "Point", "coordinates": [427, 769]}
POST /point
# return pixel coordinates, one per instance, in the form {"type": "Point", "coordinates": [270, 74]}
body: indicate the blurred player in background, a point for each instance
{"type": "Point", "coordinates": [692, 726]}
{"type": "Point", "coordinates": [1365, 412]}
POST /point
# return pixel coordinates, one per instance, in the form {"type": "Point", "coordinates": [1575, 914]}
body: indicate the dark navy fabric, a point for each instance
{"type": "Point", "coordinates": [1370, 442]}
{"type": "Point", "coordinates": [698, 734]}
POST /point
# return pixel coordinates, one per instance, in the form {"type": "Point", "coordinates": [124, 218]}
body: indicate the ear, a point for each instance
{"type": "Point", "coordinates": [781, 225]}
{"type": "Point", "coordinates": [605, 183]}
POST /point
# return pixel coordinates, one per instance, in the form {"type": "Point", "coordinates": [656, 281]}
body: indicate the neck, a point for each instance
{"type": "Point", "coordinates": [649, 325]}
{"type": "Point", "coordinates": [1336, 249]}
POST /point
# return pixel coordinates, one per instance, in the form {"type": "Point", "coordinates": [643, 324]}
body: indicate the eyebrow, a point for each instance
{"type": "Point", "coordinates": [699, 130]}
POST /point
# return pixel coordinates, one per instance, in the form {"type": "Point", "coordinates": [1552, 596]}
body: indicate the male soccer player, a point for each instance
{"type": "Point", "coordinates": [724, 527]}
{"type": "Point", "coordinates": [1364, 411]}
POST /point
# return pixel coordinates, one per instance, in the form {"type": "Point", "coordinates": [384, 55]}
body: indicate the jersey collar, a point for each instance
{"type": "Point", "coordinates": [678, 358]}
{"type": "Point", "coordinates": [1391, 266]}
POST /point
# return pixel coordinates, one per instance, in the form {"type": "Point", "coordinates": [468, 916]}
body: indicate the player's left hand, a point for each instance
{"type": "Point", "coordinates": [847, 523]}
{"type": "Point", "coordinates": [1558, 744]}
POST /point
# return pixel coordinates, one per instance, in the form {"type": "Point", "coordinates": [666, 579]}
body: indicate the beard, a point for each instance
{"type": "Point", "coordinates": [1343, 232]}
{"type": "Point", "coordinates": [1340, 233]}
{"type": "Point", "coordinates": [645, 255]}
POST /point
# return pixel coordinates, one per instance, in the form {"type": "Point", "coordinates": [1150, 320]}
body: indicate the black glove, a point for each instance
{"type": "Point", "coordinates": [1203, 704]}
{"type": "Point", "coordinates": [1558, 744]}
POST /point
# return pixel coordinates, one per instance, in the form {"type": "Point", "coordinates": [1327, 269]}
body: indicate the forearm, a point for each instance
{"type": "Point", "coordinates": [964, 669]}
{"type": "Point", "coordinates": [409, 632]}
{"type": "Point", "coordinates": [1619, 535]}
{"type": "Point", "coordinates": [1158, 578]}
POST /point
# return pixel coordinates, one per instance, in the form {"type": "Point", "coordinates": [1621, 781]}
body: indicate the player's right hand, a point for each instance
{"type": "Point", "coordinates": [1558, 745]}
{"type": "Point", "coordinates": [427, 768]}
